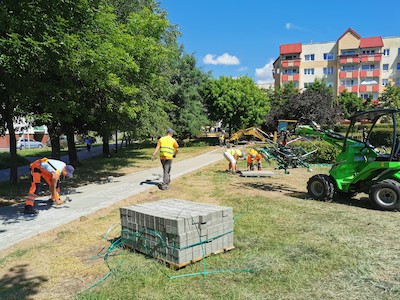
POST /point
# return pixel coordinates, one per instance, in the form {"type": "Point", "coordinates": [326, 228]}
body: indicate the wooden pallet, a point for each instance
{"type": "Point", "coordinates": [176, 266]}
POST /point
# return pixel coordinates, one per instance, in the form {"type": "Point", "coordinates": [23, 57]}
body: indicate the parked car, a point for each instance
{"type": "Point", "coordinates": [24, 143]}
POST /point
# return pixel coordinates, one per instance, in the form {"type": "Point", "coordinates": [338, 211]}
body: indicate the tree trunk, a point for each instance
{"type": "Point", "coordinates": [106, 146]}
{"type": "Point", "coordinates": [55, 141]}
{"type": "Point", "coordinates": [13, 150]}
{"type": "Point", "coordinates": [73, 156]}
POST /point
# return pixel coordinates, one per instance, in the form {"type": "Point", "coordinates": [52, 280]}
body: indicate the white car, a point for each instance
{"type": "Point", "coordinates": [24, 143]}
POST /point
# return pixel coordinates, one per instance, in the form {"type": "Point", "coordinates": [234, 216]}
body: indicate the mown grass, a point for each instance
{"type": "Point", "coordinates": [298, 248]}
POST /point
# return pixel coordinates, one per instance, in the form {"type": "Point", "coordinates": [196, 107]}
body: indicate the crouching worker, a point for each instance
{"type": "Point", "coordinates": [51, 171]}
{"type": "Point", "coordinates": [233, 155]}
{"type": "Point", "coordinates": [253, 157]}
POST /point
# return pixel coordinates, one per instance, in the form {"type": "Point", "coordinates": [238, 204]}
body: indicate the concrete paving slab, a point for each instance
{"type": "Point", "coordinates": [257, 173]}
{"type": "Point", "coordinates": [16, 226]}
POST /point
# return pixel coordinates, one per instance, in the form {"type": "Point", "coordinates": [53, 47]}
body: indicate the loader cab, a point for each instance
{"type": "Point", "coordinates": [375, 133]}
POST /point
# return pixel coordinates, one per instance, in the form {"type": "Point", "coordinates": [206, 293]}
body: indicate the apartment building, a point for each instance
{"type": "Point", "coordinates": [364, 66]}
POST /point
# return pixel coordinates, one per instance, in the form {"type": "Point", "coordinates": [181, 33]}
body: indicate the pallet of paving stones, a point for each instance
{"type": "Point", "coordinates": [177, 232]}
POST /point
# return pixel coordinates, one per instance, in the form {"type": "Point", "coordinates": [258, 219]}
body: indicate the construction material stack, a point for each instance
{"type": "Point", "coordinates": [177, 231]}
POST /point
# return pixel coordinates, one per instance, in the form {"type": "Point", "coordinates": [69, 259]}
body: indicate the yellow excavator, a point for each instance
{"type": "Point", "coordinates": [254, 133]}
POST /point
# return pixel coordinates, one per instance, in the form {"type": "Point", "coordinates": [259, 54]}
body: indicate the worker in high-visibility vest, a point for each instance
{"type": "Point", "coordinates": [168, 150]}
{"type": "Point", "coordinates": [253, 157]}
{"type": "Point", "coordinates": [51, 171]}
{"type": "Point", "coordinates": [233, 155]}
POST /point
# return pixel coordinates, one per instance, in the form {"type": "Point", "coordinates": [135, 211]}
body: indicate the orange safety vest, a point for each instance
{"type": "Point", "coordinates": [167, 148]}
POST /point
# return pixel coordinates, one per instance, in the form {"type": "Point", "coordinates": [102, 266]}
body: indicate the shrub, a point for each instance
{"type": "Point", "coordinates": [326, 152]}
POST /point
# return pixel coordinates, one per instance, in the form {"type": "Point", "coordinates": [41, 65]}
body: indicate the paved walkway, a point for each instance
{"type": "Point", "coordinates": [15, 226]}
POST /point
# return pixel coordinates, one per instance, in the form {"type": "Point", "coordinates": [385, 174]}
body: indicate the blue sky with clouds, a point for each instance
{"type": "Point", "coordinates": [234, 38]}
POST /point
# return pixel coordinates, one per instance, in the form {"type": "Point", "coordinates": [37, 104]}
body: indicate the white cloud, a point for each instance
{"type": "Point", "coordinates": [288, 26]}
{"type": "Point", "coordinates": [264, 74]}
{"type": "Point", "coordinates": [241, 69]}
{"type": "Point", "coordinates": [224, 59]}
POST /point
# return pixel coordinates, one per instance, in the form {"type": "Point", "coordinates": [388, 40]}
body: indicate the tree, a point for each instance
{"type": "Point", "coordinates": [189, 114]}
{"type": "Point", "coordinates": [239, 103]}
{"type": "Point", "coordinates": [351, 104]}
{"type": "Point", "coordinates": [391, 96]}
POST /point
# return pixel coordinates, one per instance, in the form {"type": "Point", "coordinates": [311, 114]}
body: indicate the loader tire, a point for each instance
{"type": "Point", "coordinates": [385, 194]}
{"type": "Point", "coordinates": [321, 187]}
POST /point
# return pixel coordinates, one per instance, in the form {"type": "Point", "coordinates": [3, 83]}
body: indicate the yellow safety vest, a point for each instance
{"type": "Point", "coordinates": [167, 147]}
{"type": "Point", "coordinates": [235, 152]}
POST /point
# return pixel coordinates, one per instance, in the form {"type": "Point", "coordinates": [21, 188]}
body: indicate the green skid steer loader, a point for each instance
{"type": "Point", "coordinates": [364, 164]}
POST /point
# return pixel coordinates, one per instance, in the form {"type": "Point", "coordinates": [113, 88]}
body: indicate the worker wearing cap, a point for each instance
{"type": "Point", "coordinates": [50, 170]}
{"type": "Point", "coordinates": [233, 155]}
{"type": "Point", "coordinates": [168, 150]}
{"type": "Point", "coordinates": [253, 157]}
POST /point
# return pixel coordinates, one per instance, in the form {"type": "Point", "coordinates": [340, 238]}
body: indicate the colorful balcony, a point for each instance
{"type": "Point", "coordinates": [350, 89]}
{"type": "Point", "coordinates": [294, 77]}
{"type": "Point", "coordinates": [348, 74]}
{"type": "Point", "coordinates": [371, 57]}
{"type": "Point", "coordinates": [290, 63]}
{"type": "Point", "coordinates": [370, 73]}
{"type": "Point", "coordinates": [349, 59]}
{"type": "Point", "coordinates": [372, 88]}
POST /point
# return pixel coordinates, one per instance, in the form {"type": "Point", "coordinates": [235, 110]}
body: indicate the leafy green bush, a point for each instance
{"type": "Point", "coordinates": [326, 152]}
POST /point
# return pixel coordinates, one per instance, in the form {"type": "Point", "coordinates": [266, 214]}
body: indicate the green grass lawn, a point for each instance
{"type": "Point", "coordinates": [297, 248]}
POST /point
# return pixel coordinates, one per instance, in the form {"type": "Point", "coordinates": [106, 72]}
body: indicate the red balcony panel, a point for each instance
{"type": "Point", "coordinates": [296, 77]}
{"type": "Point", "coordinates": [354, 89]}
{"type": "Point", "coordinates": [296, 63]}
{"type": "Point", "coordinates": [375, 88]}
{"type": "Point", "coordinates": [378, 56]}
{"type": "Point", "coordinates": [343, 60]}
{"type": "Point", "coordinates": [376, 73]}
{"type": "Point", "coordinates": [363, 74]}
{"type": "Point", "coordinates": [285, 77]}
{"type": "Point", "coordinates": [355, 74]}
{"type": "Point", "coordinates": [342, 75]}
{"type": "Point", "coordinates": [363, 88]}
{"type": "Point", "coordinates": [341, 89]}
{"type": "Point", "coordinates": [284, 63]}
{"type": "Point", "coordinates": [374, 102]}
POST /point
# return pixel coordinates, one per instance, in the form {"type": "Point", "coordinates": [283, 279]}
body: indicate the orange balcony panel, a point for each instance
{"type": "Point", "coordinates": [376, 73]}
{"type": "Point", "coordinates": [343, 60]}
{"type": "Point", "coordinates": [363, 74]}
{"type": "Point", "coordinates": [342, 75]}
{"type": "Point", "coordinates": [296, 63]}
{"type": "Point", "coordinates": [355, 74]}
{"type": "Point", "coordinates": [363, 88]}
{"type": "Point", "coordinates": [354, 89]}
{"type": "Point", "coordinates": [285, 77]}
{"type": "Point", "coordinates": [375, 88]}
{"type": "Point", "coordinates": [378, 56]}
{"type": "Point", "coordinates": [296, 77]}
{"type": "Point", "coordinates": [341, 89]}
{"type": "Point", "coordinates": [284, 63]}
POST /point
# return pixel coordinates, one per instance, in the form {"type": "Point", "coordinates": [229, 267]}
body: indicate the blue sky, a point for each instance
{"type": "Point", "coordinates": [234, 38]}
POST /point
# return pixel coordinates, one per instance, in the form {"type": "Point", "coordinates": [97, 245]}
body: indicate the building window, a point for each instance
{"type": "Point", "coordinates": [309, 57]}
{"type": "Point", "coordinates": [398, 81]}
{"type": "Point", "coordinates": [366, 96]}
{"type": "Point", "coordinates": [348, 68]}
{"type": "Point", "coordinates": [368, 51]}
{"type": "Point", "coordinates": [385, 67]}
{"type": "Point", "coordinates": [368, 67]}
{"type": "Point", "coordinates": [290, 71]}
{"type": "Point", "coordinates": [347, 82]}
{"type": "Point", "coordinates": [348, 52]}
{"type": "Point", "coordinates": [328, 71]}
{"type": "Point", "coordinates": [386, 52]}
{"type": "Point", "coordinates": [385, 82]}
{"type": "Point", "coordinates": [309, 71]}
{"type": "Point", "coordinates": [398, 51]}
{"type": "Point", "coordinates": [328, 56]}
{"type": "Point", "coordinates": [398, 66]}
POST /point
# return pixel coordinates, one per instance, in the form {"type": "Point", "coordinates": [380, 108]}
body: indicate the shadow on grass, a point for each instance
{"type": "Point", "coordinates": [17, 285]}
{"type": "Point", "coordinates": [362, 202]}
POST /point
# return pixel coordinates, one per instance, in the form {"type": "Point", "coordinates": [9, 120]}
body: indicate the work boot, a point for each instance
{"type": "Point", "coordinates": [29, 210]}
{"type": "Point", "coordinates": [50, 202]}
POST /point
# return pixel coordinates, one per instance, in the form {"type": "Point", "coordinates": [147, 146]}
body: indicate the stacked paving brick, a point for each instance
{"type": "Point", "coordinates": [177, 231]}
